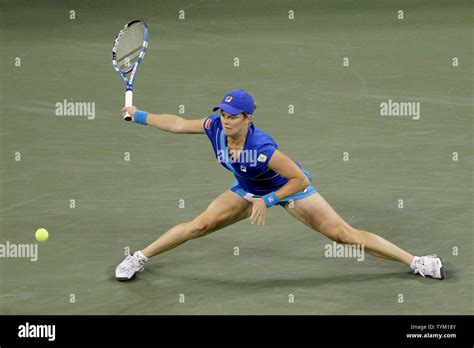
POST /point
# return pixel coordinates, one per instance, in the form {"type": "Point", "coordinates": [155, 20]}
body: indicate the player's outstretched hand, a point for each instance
{"type": "Point", "coordinates": [259, 209]}
{"type": "Point", "coordinates": [131, 111]}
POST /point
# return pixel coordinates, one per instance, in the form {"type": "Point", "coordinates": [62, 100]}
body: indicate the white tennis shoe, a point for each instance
{"type": "Point", "coordinates": [129, 267]}
{"type": "Point", "coordinates": [429, 266]}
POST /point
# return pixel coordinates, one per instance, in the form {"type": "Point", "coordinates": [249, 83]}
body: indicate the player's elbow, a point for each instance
{"type": "Point", "coordinates": [175, 129]}
{"type": "Point", "coordinates": [303, 182]}
{"type": "Point", "coordinates": [177, 126]}
{"type": "Point", "coordinates": [306, 182]}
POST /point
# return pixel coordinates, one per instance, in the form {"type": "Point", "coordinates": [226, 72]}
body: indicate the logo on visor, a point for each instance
{"type": "Point", "coordinates": [228, 99]}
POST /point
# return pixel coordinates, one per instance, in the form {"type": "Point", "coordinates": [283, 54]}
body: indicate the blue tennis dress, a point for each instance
{"type": "Point", "coordinates": [253, 176]}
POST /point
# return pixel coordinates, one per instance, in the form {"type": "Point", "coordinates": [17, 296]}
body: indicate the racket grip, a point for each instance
{"type": "Point", "coordinates": [128, 102]}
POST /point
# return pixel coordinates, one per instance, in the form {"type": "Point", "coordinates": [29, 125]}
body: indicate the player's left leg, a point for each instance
{"type": "Point", "coordinates": [223, 211]}
{"type": "Point", "coordinates": [315, 212]}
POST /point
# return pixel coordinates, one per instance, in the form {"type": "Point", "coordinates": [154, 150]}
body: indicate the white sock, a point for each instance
{"type": "Point", "coordinates": [141, 256]}
{"type": "Point", "coordinates": [414, 262]}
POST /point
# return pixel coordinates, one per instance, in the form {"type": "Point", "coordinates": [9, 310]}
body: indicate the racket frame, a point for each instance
{"type": "Point", "coordinates": [133, 70]}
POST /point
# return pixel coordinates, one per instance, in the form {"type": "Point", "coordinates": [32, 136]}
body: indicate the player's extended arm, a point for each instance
{"type": "Point", "coordinates": [170, 123]}
{"type": "Point", "coordinates": [286, 167]}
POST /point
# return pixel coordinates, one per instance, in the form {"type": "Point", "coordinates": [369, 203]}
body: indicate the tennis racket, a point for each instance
{"type": "Point", "coordinates": [127, 54]}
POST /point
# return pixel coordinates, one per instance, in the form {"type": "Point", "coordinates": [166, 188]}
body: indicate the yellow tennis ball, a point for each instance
{"type": "Point", "coordinates": [41, 235]}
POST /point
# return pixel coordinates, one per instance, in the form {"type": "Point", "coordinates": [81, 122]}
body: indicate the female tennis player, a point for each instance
{"type": "Point", "coordinates": [265, 177]}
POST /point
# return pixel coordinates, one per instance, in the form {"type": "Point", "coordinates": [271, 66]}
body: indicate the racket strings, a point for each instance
{"type": "Point", "coordinates": [129, 46]}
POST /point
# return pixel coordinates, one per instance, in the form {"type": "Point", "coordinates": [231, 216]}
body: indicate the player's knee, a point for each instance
{"type": "Point", "coordinates": [198, 228]}
{"type": "Point", "coordinates": [344, 234]}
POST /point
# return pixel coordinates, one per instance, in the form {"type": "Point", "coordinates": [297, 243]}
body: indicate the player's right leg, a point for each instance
{"type": "Point", "coordinates": [225, 210]}
{"type": "Point", "coordinates": [315, 212]}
